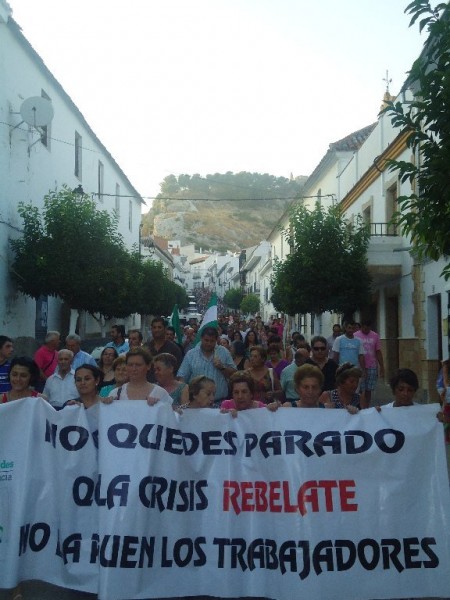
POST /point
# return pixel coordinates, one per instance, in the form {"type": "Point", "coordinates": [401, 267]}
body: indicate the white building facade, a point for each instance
{"type": "Point", "coordinates": [35, 160]}
{"type": "Point", "coordinates": [410, 301]}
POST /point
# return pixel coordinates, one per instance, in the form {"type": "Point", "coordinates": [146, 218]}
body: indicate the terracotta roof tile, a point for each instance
{"type": "Point", "coordinates": [354, 140]}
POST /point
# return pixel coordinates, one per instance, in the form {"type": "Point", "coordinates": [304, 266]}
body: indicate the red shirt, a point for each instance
{"type": "Point", "coordinates": [46, 360]}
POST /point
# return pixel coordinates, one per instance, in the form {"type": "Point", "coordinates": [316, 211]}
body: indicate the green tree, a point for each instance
{"type": "Point", "coordinates": [170, 186]}
{"type": "Point", "coordinates": [182, 298]}
{"type": "Point", "coordinates": [74, 251]}
{"type": "Point", "coordinates": [233, 298]}
{"type": "Point", "coordinates": [150, 291]}
{"type": "Point", "coordinates": [424, 215]}
{"type": "Point", "coordinates": [250, 304]}
{"type": "Point", "coordinates": [327, 267]}
{"type": "Point", "coordinates": [157, 294]}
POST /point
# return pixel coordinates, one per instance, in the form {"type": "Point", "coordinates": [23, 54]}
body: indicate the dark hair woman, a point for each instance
{"type": "Point", "coordinates": [165, 368]}
{"type": "Point", "coordinates": [267, 384]}
{"type": "Point", "coordinates": [238, 354]}
{"type": "Point", "coordinates": [345, 394]}
{"type": "Point", "coordinates": [107, 357]}
{"type": "Point", "coordinates": [23, 376]}
{"type": "Point", "coordinates": [404, 385]}
{"type": "Point", "coordinates": [88, 380]}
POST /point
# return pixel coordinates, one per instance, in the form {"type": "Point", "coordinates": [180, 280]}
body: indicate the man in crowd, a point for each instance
{"type": "Point", "coordinates": [6, 351]}
{"type": "Point", "coordinates": [135, 338]}
{"type": "Point", "coordinates": [211, 360]}
{"type": "Point", "coordinates": [159, 343]}
{"type": "Point", "coordinates": [171, 337]}
{"type": "Point", "coordinates": [118, 339]}
{"type": "Point", "coordinates": [80, 357]}
{"type": "Point", "coordinates": [348, 348]}
{"type": "Point", "coordinates": [46, 357]}
{"type": "Point", "coordinates": [243, 328]}
{"type": "Point", "coordinates": [189, 339]}
{"type": "Point", "coordinates": [373, 358]}
{"type": "Point", "coordinates": [337, 331]}
{"type": "Point", "coordinates": [287, 374]}
{"type": "Point", "coordinates": [60, 387]}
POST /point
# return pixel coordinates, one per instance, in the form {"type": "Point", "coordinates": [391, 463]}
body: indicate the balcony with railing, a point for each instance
{"type": "Point", "coordinates": [383, 229]}
{"type": "Point", "coordinates": [384, 264]}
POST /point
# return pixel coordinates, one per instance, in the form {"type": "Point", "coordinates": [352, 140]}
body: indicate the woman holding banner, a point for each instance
{"type": "Point", "coordinates": [345, 394]}
{"type": "Point", "coordinates": [23, 376]}
{"type": "Point", "coordinates": [404, 385]}
{"type": "Point", "coordinates": [242, 391]}
{"type": "Point", "coordinates": [139, 362]}
{"type": "Point", "coordinates": [308, 380]}
{"type": "Point", "coordinates": [88, 380]}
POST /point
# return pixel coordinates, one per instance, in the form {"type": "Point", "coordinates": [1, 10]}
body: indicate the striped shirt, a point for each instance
{"type": "Point", "coordinates": [196, 363]}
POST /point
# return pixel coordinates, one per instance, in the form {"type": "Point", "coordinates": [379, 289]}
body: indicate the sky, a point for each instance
{"type": "Point", "coordinates": [210, 86]}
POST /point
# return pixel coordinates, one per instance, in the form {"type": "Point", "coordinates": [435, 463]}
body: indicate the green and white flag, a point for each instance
{"type": "Point", "coordinates": [209, 318]}
{"type": "Point", "coordinates": [174, 321]}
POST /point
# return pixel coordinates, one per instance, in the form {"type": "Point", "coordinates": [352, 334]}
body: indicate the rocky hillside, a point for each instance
{"type": "Point", "coordinates": [216, 224]}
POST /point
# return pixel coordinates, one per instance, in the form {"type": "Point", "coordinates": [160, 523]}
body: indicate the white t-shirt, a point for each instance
{"type": "Point", "coordinates": [157, 392]}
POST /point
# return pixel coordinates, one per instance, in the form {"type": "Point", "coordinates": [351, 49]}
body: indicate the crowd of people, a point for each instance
{"type": "Point", "coordinates": [237, 366]}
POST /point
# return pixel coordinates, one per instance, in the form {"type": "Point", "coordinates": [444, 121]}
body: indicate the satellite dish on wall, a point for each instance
{"type": "Point", "coordinates": [37, 111]}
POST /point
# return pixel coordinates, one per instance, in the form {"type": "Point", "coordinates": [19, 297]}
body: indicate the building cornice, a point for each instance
{"type": "Point", "coordinates": [392, 152]}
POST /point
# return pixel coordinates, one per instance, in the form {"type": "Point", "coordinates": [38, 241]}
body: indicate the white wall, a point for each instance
{"type": "Point", "coordinates": [28, 172]}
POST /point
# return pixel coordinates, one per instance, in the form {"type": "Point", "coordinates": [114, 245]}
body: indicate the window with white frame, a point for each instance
{"type": "Point", "coordinates": [130, 215]}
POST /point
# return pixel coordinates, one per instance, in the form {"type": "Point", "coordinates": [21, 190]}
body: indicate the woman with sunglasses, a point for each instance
{"type": "Point", "coordinates": [320, 358]}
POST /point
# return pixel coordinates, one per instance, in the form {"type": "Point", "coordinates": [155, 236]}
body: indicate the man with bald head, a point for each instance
{"type": "Point", "coordinates": [301, 356]}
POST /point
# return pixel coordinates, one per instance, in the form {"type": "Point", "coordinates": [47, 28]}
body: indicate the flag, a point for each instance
{"type": "Point", "coordinates": [209, 318]}
{"type": "Point", "coordinates": [174, 321]}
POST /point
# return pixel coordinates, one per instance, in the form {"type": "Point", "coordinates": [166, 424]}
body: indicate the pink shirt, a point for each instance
{"type": "Point", "coordinates": [279, 328]}
{"type": "Point", "coordinates": [371, 343]}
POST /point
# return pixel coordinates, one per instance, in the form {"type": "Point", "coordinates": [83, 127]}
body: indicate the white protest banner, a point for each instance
{"type": "Point", "coordinates": [37, 510]}
{"type": "Point", "coordinates": [298, 503]}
